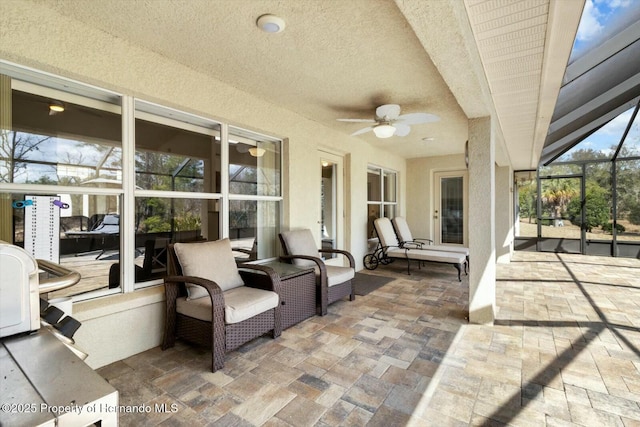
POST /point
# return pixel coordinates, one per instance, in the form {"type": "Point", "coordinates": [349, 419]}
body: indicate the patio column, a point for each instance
{"type": "Point", "coordinates": [504, 207]}
{"type": "Point", "coordinates": [482, 220]}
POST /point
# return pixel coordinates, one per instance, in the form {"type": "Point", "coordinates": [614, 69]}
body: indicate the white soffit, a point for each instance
{"type": "Point", "coordinates": [524, 47]}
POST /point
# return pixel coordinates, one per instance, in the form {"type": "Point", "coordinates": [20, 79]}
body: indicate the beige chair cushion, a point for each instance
{"type": "Point", "coordinates": [209, 260]}
{"type": "Point", "coordinates": [241, 304]}
{"type": "Point", "coordinates": [300, 242]}
{"type": "Point", "coordinates": [337, 274]}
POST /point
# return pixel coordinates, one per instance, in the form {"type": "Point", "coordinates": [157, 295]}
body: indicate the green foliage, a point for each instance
{"type": "Point", "coordinates": [556, 195]}
{"type": "Point", "coordinates": [596, 205]}
{"type": "Point", "coordinates": [609, 227]}
{"type": "Point", "coordinates": [156, 224]}
{"type": "Point", "coordinates": [187, 222]}
{"type": "Point", "coordinates": [634, 214]}
{"type": "Point", "coordinates": [628, 187]}
{"type": "Point", "coordinates": [527, 200]}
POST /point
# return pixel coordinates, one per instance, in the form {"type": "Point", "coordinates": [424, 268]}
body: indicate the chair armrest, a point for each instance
{"type": "Point", "coordinates": [421, 239]}
{"type": "Point", "coordinates": [412, 245]}
{"type": "Point", "coordinates": [318, 261]}
{"type": "Point", "coordinates": [171, 284]}
{"type": "Point", "coordinates": [352, 262]}
{"type": "Point", "coordinates": [215, 293]}
{"type": "Point", "coordinates": [211, 286]}
{"type": "Point", "coordinates": [273, 282]}
{"type": "Point", "coordinates": [251, 253]}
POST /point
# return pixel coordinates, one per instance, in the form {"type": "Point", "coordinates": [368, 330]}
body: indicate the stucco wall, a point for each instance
{"type": "Point", "coordinates": [32, 35]}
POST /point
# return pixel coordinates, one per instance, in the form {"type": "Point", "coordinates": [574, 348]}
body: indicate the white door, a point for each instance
{"type": "Point", "coordinates": [450, 215]}
{"type": "Point", "coordinates": [331, 221]}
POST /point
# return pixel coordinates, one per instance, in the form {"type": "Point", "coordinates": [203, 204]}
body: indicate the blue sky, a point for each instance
{"type": "Point", "coordinates": [597, 14]}
{"type": "Point", "coordinates": [595, 17]}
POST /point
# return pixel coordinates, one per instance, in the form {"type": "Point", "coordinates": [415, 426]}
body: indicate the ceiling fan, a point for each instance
{"type": "Point", "coordinates": [389, 122]}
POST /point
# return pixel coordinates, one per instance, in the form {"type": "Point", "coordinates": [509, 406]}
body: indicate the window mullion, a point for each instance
{"type": "Point", "coordinates": [224, 180]}
{"type": "Point", "coordinates": [127, 214]}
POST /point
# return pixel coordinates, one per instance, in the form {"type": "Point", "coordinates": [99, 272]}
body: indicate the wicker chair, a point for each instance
{"type": "Point", "coordinates": [211, 303]}
{"type": "Point", "coordinates": [333, 282]}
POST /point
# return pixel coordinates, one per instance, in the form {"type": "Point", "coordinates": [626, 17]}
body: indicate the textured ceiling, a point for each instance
{"type": "Point", "coordinates": [342, 58]}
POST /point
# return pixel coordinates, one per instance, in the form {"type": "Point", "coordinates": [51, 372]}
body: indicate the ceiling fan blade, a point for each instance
{"type": "Point", "coordinates": [417, 118]}
{"type": "Point", "coordinates": [363, 130]}
{"type": "Point", "coordinates": [357, 120]}
{"type": "Point", "coordinates": [402, 129]}
{"type": "Point", "coordinates": [388, 111]}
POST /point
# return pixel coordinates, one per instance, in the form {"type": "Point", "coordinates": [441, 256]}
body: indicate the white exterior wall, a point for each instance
{"type": "Point", "coordinates": [87, 55]}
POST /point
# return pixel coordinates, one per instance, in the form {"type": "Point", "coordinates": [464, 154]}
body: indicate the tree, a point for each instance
{"type": "Point", "coordinates": [556, 195]}
{"type": "Point", "coordinates": [596, 205]}
{"type": "Point", "coordinates": [628, 189]}
{"type": "Point", "coordinates": [15, 148]}
{"type": "Point", "coordinates": [527, 200]}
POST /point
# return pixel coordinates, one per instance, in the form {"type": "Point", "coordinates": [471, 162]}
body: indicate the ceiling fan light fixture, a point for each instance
{"type": "Point", "coordinates": [257, 151]}
{"type": "Point", "coordinates": [384, 131]}
{"type": "Point", "coordinates": [270, 24]}
{"type": "Point", "coordinates": [56, 107]}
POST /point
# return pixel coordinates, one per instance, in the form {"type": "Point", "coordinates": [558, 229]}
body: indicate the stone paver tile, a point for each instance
{"type": "Point", "coordinates": [260, 407]}
{"type": "Point", "coordinates": [368, 393]}
{"type": "Point", "coordinates": [301, 412]}
{"type": "Point", "coordinates": [586, 415]}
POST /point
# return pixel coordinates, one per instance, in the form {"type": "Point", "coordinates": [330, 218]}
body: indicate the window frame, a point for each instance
{"type": "Point", "coordinates": [130, 108]}
{"type": "Point", "coordinates": [382, 204]}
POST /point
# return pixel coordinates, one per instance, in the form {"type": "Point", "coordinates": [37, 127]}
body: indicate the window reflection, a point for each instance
{"type": "Point", "coordinates": [253, 228]}
{"type": "Point", "coordinates": [254, 164]}
{"type": "Point", "coordinates": [169, 158]}
{"type": "Point", "coordinates": [77, 146]}
{"type": "Point", "coordinates": [88, 240]}
{"type": "Point", "coordinates": [160, 221]}
{"type": "Point", "coordinates": [373, 185]}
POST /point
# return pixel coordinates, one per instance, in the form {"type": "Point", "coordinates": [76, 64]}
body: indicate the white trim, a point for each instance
{"type": "Point", "coordinates": [224, 180]}
{"type": "Point", "coordinates": [57, 189]}
{"type": "Point", "coordinates": [71, 98]}
{"type": "Point", "coordinates": [176, 123]}
{"type": "Point", "coordinates": [128, 209]}
{"type": "Point", "coordinates": [177, 194]}
{"type": "Point", "coordinates": [48, 80]}
{"type": "Point", "coordinates": [339, 202]}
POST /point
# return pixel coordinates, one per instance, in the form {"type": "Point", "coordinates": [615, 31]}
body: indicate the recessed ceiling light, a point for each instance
{"type": "Point", "coordinates": [270, 23]}
{"type": "Point", "coordinates": [429, 138]}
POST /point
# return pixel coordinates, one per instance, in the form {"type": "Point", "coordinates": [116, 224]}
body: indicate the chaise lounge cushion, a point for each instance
{"type": "Point", "coordinates": [241, 303]}
{"type": "Point", "coordinates": [196, 260]}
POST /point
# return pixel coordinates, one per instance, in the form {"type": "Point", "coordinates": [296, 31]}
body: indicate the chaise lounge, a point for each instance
{"type": "Point", "coordinates": [390, 249]}
{"type": "Point", "coordinates": [403, 232]}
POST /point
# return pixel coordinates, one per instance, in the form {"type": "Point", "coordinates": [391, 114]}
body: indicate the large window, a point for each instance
{"type": "Point", "coordinates": [120, 200]}
{"type": "Point", "coordinates": [381, 196]}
